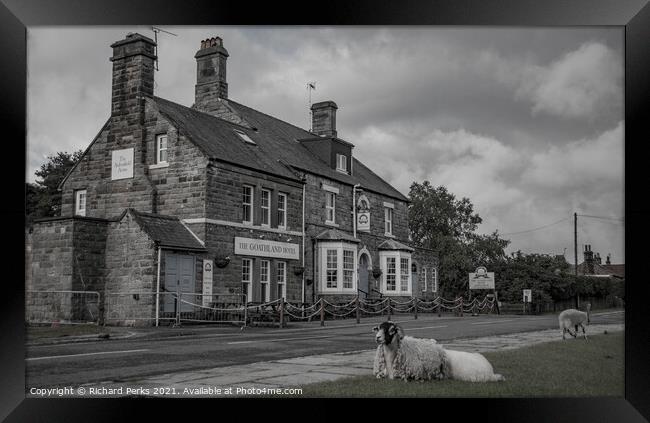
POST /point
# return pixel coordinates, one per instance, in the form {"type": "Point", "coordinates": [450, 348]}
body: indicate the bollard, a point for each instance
{"type": "Point", "coordinates": [281, 312]}
{"type": "Point", "coordinates": [358, 317]}
{"type": "Point", "coordinates": [322, 312]}
{"type": "Point", "coordinates": [415, 302]}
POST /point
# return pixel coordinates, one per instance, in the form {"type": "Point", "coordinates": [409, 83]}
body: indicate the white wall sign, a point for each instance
{"type": "Point", "coordinates": [363, 221]}
{"type": "Point", "coordinates": [528, 295]}
{"type": "Point", "coordinates": [481, 279]}
{"type": "Point", "coordinates": [263, 248]}
{"type": "Point", "coordinates": [207, 282]}
{"type": "Point", "coordinates": [122, 164]}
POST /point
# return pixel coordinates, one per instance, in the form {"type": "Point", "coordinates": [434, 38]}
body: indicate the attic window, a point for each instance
{"type": "Point", "coordinates": [244, 137]}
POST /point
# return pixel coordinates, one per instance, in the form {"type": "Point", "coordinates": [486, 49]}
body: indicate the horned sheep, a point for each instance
{"type": "Point", "coordinates": [408, 358]}
{"type": "Point", "coordinates": [573, 318]}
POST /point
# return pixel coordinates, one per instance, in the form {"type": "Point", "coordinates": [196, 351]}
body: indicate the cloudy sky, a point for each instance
{"type": "Point", "coordinates": [525, 122]}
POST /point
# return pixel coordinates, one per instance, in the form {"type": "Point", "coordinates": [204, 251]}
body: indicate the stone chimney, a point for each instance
{"type": "Point", "coordinates": [589, 260]}
{"type": "Point", "coordinates": [133, 70]}
{"type": "Point", "coordinates": [608, 261]}
{"type": "Point", "coordinates": [211, 82]}
{"type": "Point", "coordinates": [323, 118]}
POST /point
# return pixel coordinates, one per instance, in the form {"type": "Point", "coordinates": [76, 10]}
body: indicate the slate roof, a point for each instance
{"type": "Point", "coordinates": [167, 231]}
{"type": "Point", "coordinates": [335, 235]}
{"type": "Point", "coordinates": [277, 142]}
{"type": "Point", "coordinates": [391, 244]}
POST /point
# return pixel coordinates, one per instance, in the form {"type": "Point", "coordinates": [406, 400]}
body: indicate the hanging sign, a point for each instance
{"type": "Point", "coordinates": [481, 279]}
{"type": "Point", "coordinates": [363, 221]}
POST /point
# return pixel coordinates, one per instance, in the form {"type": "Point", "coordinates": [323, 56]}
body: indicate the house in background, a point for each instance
{"type": "Point", "coordinates": [220, 198]}
{"type": "Point", "coordinates": [593, 266]}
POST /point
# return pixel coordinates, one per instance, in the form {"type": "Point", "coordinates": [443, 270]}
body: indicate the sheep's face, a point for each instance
{"type": "Point", "coordinates": [386, 332]}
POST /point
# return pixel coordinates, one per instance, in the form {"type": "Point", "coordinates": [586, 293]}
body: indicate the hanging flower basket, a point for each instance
{"type": "Point", "coordinates": [222, 262]}
{"type": "Point", "coordinates": [376, 273]}
{"type": "Point", "coordinates": [298, 270]}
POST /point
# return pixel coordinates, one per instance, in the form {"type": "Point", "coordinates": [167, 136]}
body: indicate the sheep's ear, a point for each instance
{"type": "Point", "coordinates": [400, 331]}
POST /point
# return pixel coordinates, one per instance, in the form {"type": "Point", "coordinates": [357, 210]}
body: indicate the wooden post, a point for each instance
{"type": "Point", "coordinates": [281, 312]}
{"type": "Point", "coordinates": [461, 306]}
{"type": "Point", "coordinates": [322, 312]}
{"type": "Point", "coordinates": [390, 310]}
{"type": "Point", "coordinates": [415, 305]}
{"type": "Point", "coordinates": [357, 307]}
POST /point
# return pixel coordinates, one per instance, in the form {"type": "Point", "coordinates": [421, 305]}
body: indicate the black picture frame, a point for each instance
{"type": "Point", "coordinates": [634, 15]}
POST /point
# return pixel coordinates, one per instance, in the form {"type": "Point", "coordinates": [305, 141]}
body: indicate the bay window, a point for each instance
{"type": "Point", "coordinates": [337, 267]}
{"type": "Point", "coordinates": [396, 272]}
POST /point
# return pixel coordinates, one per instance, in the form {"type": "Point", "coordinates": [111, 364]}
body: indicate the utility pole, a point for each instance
{"type": "Point", "coordinates": [575, 252]}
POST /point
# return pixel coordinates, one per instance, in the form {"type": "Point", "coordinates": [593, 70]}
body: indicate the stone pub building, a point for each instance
{"type": "Point", "coordinates": [220, 198]}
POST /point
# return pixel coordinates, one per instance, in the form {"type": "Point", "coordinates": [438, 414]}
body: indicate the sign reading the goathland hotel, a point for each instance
{"type": "Point", "coordinates": [262, 248]}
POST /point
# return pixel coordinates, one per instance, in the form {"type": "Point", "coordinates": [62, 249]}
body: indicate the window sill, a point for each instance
{"type": "Point", "coordinates": [386, 234]}
{"type": "Point", "coordinates": [159, 165]}
{"type": "Point", "coordinates": [336, 225]}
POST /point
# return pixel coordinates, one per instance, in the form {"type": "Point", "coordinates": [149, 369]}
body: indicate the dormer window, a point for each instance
{"type": "Point", "coordinates": [341, 163]}
{"type": "Point", "coordinates": [244, 137]}
{"type": "Point", "coordinates": [161, 148]}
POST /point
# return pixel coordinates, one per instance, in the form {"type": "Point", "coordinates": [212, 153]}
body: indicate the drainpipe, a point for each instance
{"type": "Point", "coordinates": [158, 288]}
{"type": "Point", "coordinates": [304, 185]}
{"type": "Point", "coordinates": [354, 209]}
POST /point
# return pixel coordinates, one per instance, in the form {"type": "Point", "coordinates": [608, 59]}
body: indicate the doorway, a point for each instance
{"type": "Point", "coordinates": [179, 277]}
{"type": "Point", "coordinates": [363, 276]}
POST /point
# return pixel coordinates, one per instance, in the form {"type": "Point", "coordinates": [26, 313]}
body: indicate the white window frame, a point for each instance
{"type": "Point", "coordinates": [78, 211]}
{"type": "Point", "coordinates": [330, 209]}
{"type": "Point", "coordinates": [159, 150]}
{"type": "Point", "coordinates": [424, 278]}
{"type": "Point", "coordinates": [342, 163]}
{"type": "Point", "coordinates": [281, 278]}
{"type": "Point", "coordinates": [388, 221]}
{"type": "Point", "coordinates": [282, 211]}
{"type": "Point", "coordinates": [250, 205]}
{"type": "Point", "coordinates": [434, 279]}
{"type": "Point", "coordinates": [266, 210]}
{"type": "Point", "coordinates": [398, 256]}
{"type": "Point", "coordinates": [247, 263]}
{"type": "Point", "coordinates": [340, 247]}
{"type": "Point", "coordinates": [265, 282]}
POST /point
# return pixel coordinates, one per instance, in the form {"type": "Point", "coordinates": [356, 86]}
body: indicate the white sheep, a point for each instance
{"type": "Point", "coordinates": [574, 318]}
{"type": "Point", "coordinates": [405, 357]}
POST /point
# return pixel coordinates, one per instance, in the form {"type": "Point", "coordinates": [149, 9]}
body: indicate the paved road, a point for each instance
{"type": "Point", "coordinates": [162, 350]}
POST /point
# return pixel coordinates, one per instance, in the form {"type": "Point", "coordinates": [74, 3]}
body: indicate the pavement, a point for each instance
{"type": "Point", "coordinates": [278, 376]}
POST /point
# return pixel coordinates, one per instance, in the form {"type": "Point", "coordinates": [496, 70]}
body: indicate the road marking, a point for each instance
{"type": "Point", "coordinates": [489, 323]}
{"type": "Point", "coordinates": [282, 339]}
{"type": "Point", "coordinates": [79, 355]}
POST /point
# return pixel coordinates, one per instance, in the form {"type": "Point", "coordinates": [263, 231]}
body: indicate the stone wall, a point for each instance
{"type": "Point", "coordinates": [52, 255]}
{"type": "Point", "coordinates": [131, 267]}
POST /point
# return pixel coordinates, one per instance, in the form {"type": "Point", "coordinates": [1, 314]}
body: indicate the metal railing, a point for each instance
{"type": "Point", "coordinates": [62, 307]}
{"type": "Point", "coordinates": [213, 308]}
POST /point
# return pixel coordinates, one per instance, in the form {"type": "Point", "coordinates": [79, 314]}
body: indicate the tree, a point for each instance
{"type": "Point", "coordinates": [43, 199]}
{"type": "Point", "coordinates": [441, 222]}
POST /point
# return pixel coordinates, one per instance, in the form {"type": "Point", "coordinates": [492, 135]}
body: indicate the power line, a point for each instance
{"type": "Point", "coordinates": [602, 217]}
{"type": "Point", "coordinates": [536, 229]}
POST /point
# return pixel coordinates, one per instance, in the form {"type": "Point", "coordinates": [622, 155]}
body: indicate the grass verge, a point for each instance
{"type": "Point", "coordinates": [41, 332]}
{"type": "Point", "coordinates": [554, 369]}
